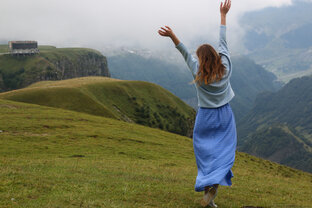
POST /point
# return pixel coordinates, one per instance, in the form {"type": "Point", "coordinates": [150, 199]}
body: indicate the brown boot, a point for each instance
{"type": "Point", "coordinates": [210, 192]}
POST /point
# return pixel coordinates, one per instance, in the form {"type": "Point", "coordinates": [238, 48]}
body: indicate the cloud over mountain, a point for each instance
{"type": "Point", "coordinates": [95, 23]}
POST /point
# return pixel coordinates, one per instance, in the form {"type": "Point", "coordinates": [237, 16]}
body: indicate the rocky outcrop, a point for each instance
{"type": "Point", "coordinates": [55, 64]}
{"type": "Point", "coordinates": [1, 83]}
{"type": "Point", "coordinates": [90, 64]}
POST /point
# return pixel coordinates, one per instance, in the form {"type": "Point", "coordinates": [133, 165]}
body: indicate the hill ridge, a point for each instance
{"type": "Point", "coordinates": [132, 101]}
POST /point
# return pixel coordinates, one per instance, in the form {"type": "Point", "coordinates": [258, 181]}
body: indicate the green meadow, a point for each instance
{"type": "Point", "coordinates": [132, 101]}
{"type": "Point", "coordinates": [52, 157]}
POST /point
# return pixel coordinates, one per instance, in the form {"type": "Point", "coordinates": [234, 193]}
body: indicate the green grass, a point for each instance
{"type": "Point", "coordinates": [141, 102]}
{"type": "Point", "coordinates": [4, 48]}
{"type": "Point", "coordinates": [58, 158]}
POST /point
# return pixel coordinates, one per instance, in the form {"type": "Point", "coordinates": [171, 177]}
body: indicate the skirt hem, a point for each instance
{"type": "Point", "coordinates": [221, 183]}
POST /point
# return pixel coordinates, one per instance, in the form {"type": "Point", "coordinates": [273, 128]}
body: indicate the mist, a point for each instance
{"type": "Point", "coordinates": [120, 23]}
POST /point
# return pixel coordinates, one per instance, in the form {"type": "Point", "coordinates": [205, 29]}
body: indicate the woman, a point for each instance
{"type": "Point", "coordinates": [214, 137]}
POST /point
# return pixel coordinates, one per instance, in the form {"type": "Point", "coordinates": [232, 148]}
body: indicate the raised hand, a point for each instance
{"type": "Point", "coordinates": [225, 7]}
{"type": "Point", "coordinates": [167, 32]}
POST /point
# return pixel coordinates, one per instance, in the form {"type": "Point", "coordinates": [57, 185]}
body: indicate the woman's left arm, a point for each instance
{"type": "Point", "coordinates": [223, 47]}
{"type": "Point", "coordinates": [224, 9]}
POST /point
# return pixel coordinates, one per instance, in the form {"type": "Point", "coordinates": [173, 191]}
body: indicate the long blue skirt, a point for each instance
{"type": "Point", "coordinates": [214, 141]}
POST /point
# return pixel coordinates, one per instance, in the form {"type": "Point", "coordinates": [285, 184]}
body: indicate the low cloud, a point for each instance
{"type": "Point", "coordinates": [100, 23]}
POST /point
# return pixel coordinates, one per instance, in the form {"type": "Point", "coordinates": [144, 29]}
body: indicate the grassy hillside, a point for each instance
{"type": "Point", "coordinates": [56, 158]}
{"type": "Point", "coordinates": [51, 64]}
{"type": "Point", "coordinates": [4, 48]}
{"type": "Point", "coordinates": [133, 101]}
{"type": "Point", "coordinates": [279, 143]}
{"type": "Point", "coordinates": [279, 126]}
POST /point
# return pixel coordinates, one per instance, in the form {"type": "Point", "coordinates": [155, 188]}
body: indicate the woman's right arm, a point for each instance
{"type": "Point", "coordinates": [189, 59]}
{"type": "Point", "coordinates": [192, 63]}
{"type": "Point", "coordinates": [167, 32]}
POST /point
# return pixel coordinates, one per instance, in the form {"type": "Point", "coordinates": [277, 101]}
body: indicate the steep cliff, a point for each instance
{"type": "Point", "coordinates": [1, 83]}
{"type": "Point", "coordinates": [51, 64]}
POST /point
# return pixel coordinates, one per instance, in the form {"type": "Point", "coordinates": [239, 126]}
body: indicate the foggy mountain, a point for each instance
{"type": "Point", "coordinates": [280, 39]}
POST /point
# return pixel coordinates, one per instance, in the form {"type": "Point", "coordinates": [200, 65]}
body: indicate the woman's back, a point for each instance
{"type": "Point", "coordinates": [217, 93]}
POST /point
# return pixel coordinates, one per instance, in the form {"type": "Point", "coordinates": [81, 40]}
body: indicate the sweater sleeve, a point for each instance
{"type": "Point", "coordinates": [192, 63]}
{"type": "Point", "coordinates": [223, 48]}
{"type": "Point", "coordinates": [224, 51]}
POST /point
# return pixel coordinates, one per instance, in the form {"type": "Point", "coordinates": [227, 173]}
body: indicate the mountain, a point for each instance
{"type": "Point", "coordinates": [173, 76]}
{"type": "Point", "coordinates": [279, 127]}
{"type": "Point", "coordinates": [59, 158]}
{"type": "Point", "coordinates": [51, 64]}
{"type": "Point", "coordinates": [248, 79]}
{"type": "Point", "coordinates": [132, 101]}
{"type": "Point", "coordinates": [279, 38]}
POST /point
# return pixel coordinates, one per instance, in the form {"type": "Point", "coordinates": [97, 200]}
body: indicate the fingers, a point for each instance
{"type": "Point", "coordinates": [163, 31]}
{"type": "Point", "coordinates": [168, 27]}
{"type": "Point", "coordinates": [225, 6]}
{"type": "Point", "coordinates": [228, 4]}
{"type": "Point", "coordinates": [161, 34]}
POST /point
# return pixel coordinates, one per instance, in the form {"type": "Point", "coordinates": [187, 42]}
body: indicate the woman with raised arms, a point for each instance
{"type": "Point", "coordinates": [214, 137]}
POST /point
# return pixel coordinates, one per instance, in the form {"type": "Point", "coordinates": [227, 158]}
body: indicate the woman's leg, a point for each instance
{"type": "Point", "coordinates": [207, 188]}
{"type": "Point", "coordinates": [210, 194]}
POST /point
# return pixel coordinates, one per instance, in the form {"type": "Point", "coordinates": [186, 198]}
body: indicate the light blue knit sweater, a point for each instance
{"type": "Point", "coordinates": [218, 93]}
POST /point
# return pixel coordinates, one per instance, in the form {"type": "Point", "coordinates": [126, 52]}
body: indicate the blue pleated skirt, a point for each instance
{"type": "Point", "coordinates": [214, 141]}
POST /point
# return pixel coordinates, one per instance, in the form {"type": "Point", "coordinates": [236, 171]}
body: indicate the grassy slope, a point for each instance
{"type": "Point", "coordinates": [57, 158]}
{"type": "Point", "coordinates": [141, 102]}
{"type": "Point", "coordinates": [279, 143]}
{"type": "Point", "coordinates": [4, 49]}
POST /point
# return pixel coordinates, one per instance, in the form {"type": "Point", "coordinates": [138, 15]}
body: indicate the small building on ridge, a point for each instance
{"type": "Point", "coordinates": [23, 47]}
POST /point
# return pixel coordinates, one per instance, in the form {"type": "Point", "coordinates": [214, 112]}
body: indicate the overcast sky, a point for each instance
{"type": "Point", "coordinates": [98, 23]}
